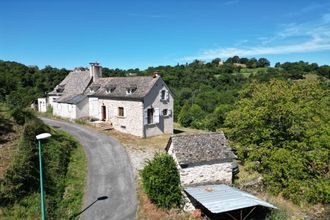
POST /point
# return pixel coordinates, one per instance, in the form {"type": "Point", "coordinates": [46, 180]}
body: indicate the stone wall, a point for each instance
{"type": "Point", "coordinates": [205, 173]}
{"type": "Point", "coordinates": [131, 122]}
{"type": "Point", "coordinates": [51, 100]}
{"type": "Point", "coordinates": [153, 99]}
{"type": "Point", "coordinates": [83, 108]}
{"type": "Point", "coordinates": [65, 110]}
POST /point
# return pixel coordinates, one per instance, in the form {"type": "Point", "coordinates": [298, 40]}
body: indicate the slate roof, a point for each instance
{"type": "Point", "coordinates": [74, 84]}
{"type": "Point", "coordinates": [117, 87]}
{"type": "Point", "coordinates": [200, 148]}
{"type": "Point", "coordinates": [72, 99]}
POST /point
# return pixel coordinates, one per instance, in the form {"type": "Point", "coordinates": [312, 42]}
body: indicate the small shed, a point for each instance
{"type": "Point", "coordinates": [225, 202]}
{"type": "Point", "coordinates": [202, 158]}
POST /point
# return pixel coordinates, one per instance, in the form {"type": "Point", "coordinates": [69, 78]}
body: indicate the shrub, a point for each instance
{"type": "Point", "coordinates": [161, 181]}
{"type": "Point", "coordinates": [21, 116]}
{"type": "Point", "coordinates": [22, 177]}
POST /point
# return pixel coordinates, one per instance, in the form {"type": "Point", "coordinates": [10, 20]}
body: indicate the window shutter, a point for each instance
{"type": "Point", "coordinates": [108, 114]}
{"type": "Point", "coordinates": [145, 116]}
{"type": "Point", "coordinates": [169, 112]}
{"type": "Point", "coordinates": [156, 116]}
{"type": "Point", "coordinates": [166, 95]}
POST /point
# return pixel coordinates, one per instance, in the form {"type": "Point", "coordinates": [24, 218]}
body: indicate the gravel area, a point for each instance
{"type": "Point", "coordinates": [139, 156]}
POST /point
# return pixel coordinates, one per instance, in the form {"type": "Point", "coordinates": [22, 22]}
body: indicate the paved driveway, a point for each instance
{"type": "Point", "coordinates": [109, 174]}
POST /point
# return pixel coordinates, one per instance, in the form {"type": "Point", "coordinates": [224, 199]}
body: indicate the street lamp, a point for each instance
{"type": "Point", "coordinates": [39, 138]}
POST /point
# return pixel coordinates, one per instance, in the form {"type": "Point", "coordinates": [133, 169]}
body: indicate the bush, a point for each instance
{"type": "Point", "coordinates": [278, 214]}
{"type": "Point", "coordinates": [161, 181]}
{"type": "Point", "coordinates": [21, 115]}
{"type": "Point", "coordinates": [22, 177]}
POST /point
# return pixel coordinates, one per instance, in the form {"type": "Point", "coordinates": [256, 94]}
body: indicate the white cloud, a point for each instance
{"type": "Point", "coordinates": [293, 38]}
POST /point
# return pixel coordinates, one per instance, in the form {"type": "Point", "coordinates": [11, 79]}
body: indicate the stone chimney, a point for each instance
{"type": "Point", "coordinates": [95, 71]}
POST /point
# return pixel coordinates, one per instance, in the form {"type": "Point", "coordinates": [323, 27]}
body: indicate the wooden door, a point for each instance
{"type": "Point", "coordinates": [104, 112]}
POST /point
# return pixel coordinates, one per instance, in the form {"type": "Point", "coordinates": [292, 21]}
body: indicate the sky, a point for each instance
{"type": "Point", "coordinates": [138, 34]}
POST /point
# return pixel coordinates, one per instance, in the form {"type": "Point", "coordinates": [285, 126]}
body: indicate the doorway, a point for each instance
{"type": "Point", "coordinates": [103, 112]}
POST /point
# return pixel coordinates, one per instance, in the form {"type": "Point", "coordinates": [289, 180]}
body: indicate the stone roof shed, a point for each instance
{"type": "Point", "coordinates": [202, 158]}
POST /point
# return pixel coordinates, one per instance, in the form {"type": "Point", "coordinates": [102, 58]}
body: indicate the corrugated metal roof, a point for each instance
{"type": "Point", "coordinates": [223, 198]}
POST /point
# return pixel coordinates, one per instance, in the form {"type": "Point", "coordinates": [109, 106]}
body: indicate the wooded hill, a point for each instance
{"type": "Point", "coordinates": [277, 118]}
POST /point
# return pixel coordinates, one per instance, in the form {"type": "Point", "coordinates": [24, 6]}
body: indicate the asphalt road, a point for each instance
{"type": "Point", "coordinates": [110, 174]}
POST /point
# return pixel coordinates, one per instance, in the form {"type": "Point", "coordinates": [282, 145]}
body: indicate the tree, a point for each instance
{"type": "Point", "coordinates": [252, 63]}
{"type": "Point", "coordinates": [278, 129]}
{"type": "Point", "coordinates": [263, 62]}
{"type": "Point", "coordinates": [215, 62]}
{"type": "Point", "coordinates": [191, 115]}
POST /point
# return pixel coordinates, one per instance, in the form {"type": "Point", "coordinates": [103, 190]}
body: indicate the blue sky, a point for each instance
{"type": "Point", "coordinates": [142, 33]}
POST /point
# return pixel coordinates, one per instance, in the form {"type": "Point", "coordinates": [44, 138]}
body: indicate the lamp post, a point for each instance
{"type": "Point", "coordinates": [39, 138]}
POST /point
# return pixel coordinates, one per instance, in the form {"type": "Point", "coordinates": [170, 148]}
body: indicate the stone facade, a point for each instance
{"type": "Point", "coordinates": [133, 117]}
{"type": "Point", "coordinates": [52, 99]}
{"type": "Point", "coordinates": [132, 120]}
{"type": "Point", "coordinates": [154, 100]}
{"type": "Point", "coordinates": [71, 111]}
{"type": "Point", "coordinates": [204, 173]}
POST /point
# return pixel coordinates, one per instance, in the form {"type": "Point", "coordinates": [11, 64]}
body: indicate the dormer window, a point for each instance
{"type": "Point", "coordinates": [131, 89]}
{"type": "Point", "coordinates": [94, 88]}
{"type": "Point", "coordinates": [110, 88]}
{"type": "Point", "coordinates": [60, 88]}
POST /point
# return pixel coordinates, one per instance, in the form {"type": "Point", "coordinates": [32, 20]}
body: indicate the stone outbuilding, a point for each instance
{"type": "Point", "coordinates": [202, 158]}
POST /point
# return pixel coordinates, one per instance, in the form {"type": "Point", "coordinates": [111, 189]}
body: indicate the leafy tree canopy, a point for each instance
{"type": "Point", "coordinates": [283, 130]}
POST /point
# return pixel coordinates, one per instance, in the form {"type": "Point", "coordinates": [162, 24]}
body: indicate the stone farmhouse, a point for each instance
{"type": "Point", "coordinates": [202, 158]}
{"type": "Point", "coordinates": [67, 98]}
{"type": "Point", "coordinates": [137, 105]}
{"type": "Point", "coordinates": [142, 106]}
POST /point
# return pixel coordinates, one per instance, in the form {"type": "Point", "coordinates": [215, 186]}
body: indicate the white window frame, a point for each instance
{"type": "Point", "coordinates": [169, 112]}
{"type": "Point", "coordinates": [166, 95]}
{"type": "Point", "coordinates": [155, 116]}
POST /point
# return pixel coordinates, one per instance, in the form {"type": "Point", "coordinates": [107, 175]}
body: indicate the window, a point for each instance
{"type": "Point", "coordinates": [110, 88]}
{"type": "Point", "coordinates": [121, 111]}
{"type": "Point", "coordinates": [131, 89]}
{"type": "Point", "coordinates": [94, 88]}
{"type": "Point", "coordinates": [165, 112]}
{"type": "Point", "coordinates": [163, 93]}
{"type": "Point", "coordinates": [151, 116]}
